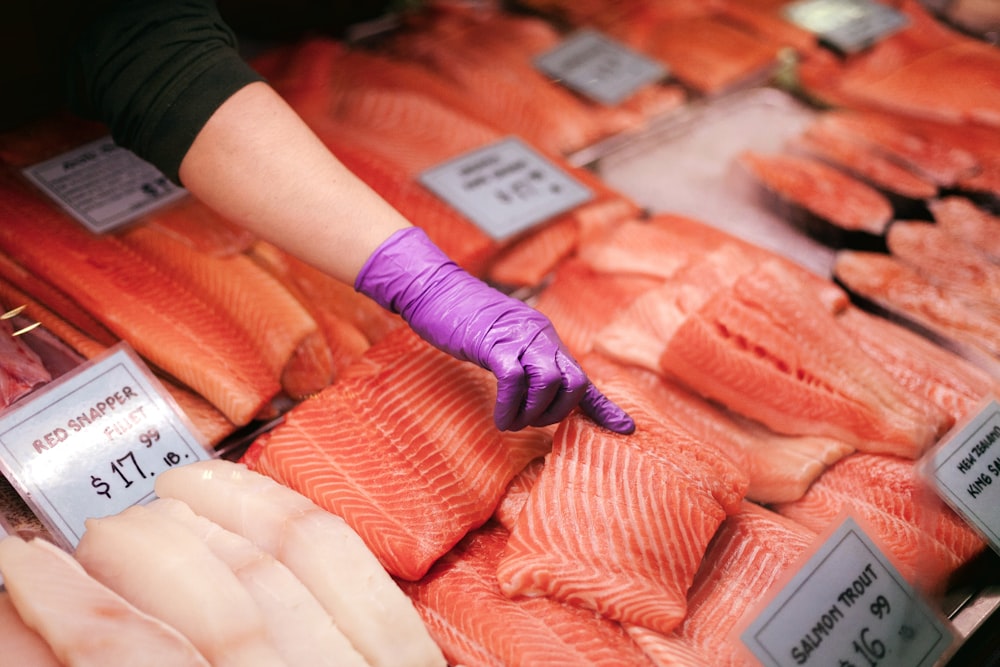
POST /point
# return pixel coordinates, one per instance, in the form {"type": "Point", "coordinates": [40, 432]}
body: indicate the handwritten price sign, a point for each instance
{"type": "Point", "coordinates": [91, 443]}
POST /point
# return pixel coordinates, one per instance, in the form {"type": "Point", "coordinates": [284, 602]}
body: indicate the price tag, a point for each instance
{"type": "Point", "coordinates": [848, 606]}
{"type": "Point", "coordinates": [91, 443]}
{"type": "Point", "coordinates": [598, 67]}
{"type": "Point", "coordinates": [103, 185]}
{"type": "Point", "coordinates": [966, 470]}
{"type": "Point", "coordinates": [848, 26]}
{"type": "Point", "coordinates": [506, 187]}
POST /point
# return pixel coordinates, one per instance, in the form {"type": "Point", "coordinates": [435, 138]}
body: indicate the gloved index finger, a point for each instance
{"type": "Point", "coordinates": [602, 410]}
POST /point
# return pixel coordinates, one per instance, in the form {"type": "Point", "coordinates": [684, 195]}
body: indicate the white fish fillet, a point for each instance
{"type": "Point", "coordinates": [22, 645]}
{"type": "Point", "coordinates": [319, 548]}
{"type": "Point", "coordinates": [165, 570]}
{"type": "Point", "coordinates": [303, 632]}
{"type": "Point", "coordinates": [84, 622]}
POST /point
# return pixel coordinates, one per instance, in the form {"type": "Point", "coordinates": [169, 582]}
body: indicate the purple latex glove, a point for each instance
{"type": "Point", "coordinates": [538, 382]}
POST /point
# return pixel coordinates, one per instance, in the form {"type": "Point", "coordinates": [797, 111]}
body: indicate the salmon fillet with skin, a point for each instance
{"type": "Point", "coordinates": [476, 624]}
{"type": "Point", "coordinates": [405, 451]}
{"type": "Point", "coordinates": [972, 225]}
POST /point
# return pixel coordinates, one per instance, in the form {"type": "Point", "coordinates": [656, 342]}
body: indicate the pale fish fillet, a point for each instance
{"type": "Point", "coordinates": [318, 547]}
{"type": "Point", "coordinates": [752, 549]}
{"type": "Point", "coordinates": [477, 625]}
{"type": "Point", "coordinates": [21, 644]}
{"type": "Point", "coordinates": [83, 621]}
{"type": "Point", "coordinates": [619, 524]}
{"type": "Point", "coordinates": [165, 570]}
{"type": "Point", "coordinates": [303, 632]}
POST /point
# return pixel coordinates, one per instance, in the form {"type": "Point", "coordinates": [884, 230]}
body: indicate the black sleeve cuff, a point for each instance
{"type": "Point", "coordinates": [155, 71]}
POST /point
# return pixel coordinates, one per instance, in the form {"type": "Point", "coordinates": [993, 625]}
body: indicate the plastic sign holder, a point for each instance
{"type": "Point", "coordinates": [90, 444]}
{"type": "Point", "coordinates": [847, 26]}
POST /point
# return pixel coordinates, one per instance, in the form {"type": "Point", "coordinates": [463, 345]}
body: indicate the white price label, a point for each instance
{"type": "Point", "coordinates": [506, 187]}
{"type": "Point", "coordinates": [103, 185]}
{"type": "Point", "coordinates": [598, 67]}
{"type": "Point", "coordinates": [966, 470]}
{"type": "Point", "coordinates": [848, 606]}
{"type": "Point", "coordinates": [848, 26]}
{"type": "Point", "coordinates": [91, 443]}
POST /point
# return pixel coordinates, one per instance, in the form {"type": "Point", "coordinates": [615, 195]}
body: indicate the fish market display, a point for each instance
{"type": "Point", "coordinates": [319, 548]}
{"type": "Point", "coordinates": [619, 524]}
{"type": "Point", "coordinates": [194, 590]}
{"type": "Point", "coordinates": [83, 621]}
{"type": "Point", "coordinates": [476, 624]}
{"type": "Point", "coordinates": [924, 537]}
{"type": "Point", "coordinates": [427, 419]}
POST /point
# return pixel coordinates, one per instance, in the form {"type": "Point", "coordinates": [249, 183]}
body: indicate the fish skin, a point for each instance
{"type": "Point", "coordinates": [82, 620]}
{"type": "Point", "coordinates": [319, 548]}
{"type": "Point", "coordinates": [164, 321]}
{"type": "Point", "coordinates": [199, 595]}
{"type": "Point", "coordinates": [476, 624]}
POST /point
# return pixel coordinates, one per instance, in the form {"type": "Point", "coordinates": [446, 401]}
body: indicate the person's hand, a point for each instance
{"type": "Point", "coordinates": [538, 381]}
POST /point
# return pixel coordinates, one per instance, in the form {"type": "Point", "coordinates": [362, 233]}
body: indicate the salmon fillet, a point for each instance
{"type": "Point", "coordinates": [972, 225]}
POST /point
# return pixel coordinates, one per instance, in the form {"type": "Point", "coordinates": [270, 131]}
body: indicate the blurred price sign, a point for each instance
{"type": "Point", "coordinates": [848, 606]}
{"type": "Point", "coordinates": [599, 67]}
{"type": "Point", "coordinates": [103, 185]}
{"type": "Point", "coordinates": [91, 443]}
{"type": "Point", "coordinates": [506, 187]}
{"type": "Point", "coordinates": [965, 468]}
{"type": "Point", "coordinates": [848, 26]}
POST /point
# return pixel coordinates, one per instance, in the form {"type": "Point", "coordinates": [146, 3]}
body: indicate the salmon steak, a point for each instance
{"type": "Point", "coordinates": [476, 624]}
{"type": "Point", "coordinates": [404, 448]}
{"type": "Point", "coordinates": [619, 524]}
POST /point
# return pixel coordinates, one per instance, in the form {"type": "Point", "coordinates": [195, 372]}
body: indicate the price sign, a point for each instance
{"type": "Point", "coordinates": [598, 67]}
{"type": "Point", "coordinates": [848, 26]}
{"type": "Point", "coordinates": [966, 470]}
{"type": "Point", "coordinates": [91, 443]}
{"type": "Point", "coordinates": [103, 185]}
{"type": "Point", "coordinates": [506, 187]}
{"type": "Point", "coordinates": [848, 606]}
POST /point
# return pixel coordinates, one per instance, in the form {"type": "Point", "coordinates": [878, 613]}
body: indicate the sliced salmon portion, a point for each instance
{"type": "Point", "coordinates": [764, 19]}
{"type": "Point", "coordinates": [925, 538]}
{"type": "Point", "coordinates": [964, 220]}
{"type": "Point", "coordinates": [831, 196]}
{"type": "Point", "coordinates": [427, 418]}
{"type": "Point", "coordinates": [516, 495]}
{"type": "Point", "coordinates": [619, 524]}
{"type": "Point", "coordinates": [191, 222]}
{"type": "Point", "coordinates": [889, 284]}
{"type": "Point", "coordinates": [752, 550]}
{"type": "Point", "coordinates": [164, 320]}
{"type": "Point", "coordinates": [476, 624]}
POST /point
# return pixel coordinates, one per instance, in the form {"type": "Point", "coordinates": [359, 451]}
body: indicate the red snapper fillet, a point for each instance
{"type": "Point", "coordinates": [477, 625]}
{"type": "Point", "coordinates": [405, 451]}
{"type": "Point", "coordinates": [619, 524]}
{"type": "Point", "coordinates": [21, 644]}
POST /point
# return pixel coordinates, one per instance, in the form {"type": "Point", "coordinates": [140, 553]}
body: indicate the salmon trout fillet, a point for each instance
{"type": "Point", "coordinates": [752, 550]}
{"type": "Point", "coordinates": [972, 225]}
{"type": "Point", "coordinates": [82, 620]}
{"type": "Point", "coordinates": [891, 285]}
{"type": "Point", "coordinates": [924, 537]}
{"type": "Point", "coordinates": [427, 419]}
{"type": "Point", "coordinates": [476, 624]}
{"type": "Point", "coordinates": [619, 524]}
{"type": "Point", "coordinates": [516, 494]}
{"type": "Point", "coordinates": [166, 322]}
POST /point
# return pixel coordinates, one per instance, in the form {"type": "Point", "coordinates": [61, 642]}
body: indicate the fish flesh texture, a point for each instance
{"type": "Point", "coordinates": [753, 549]}
{"type": "Point", "coordinates": [323, 552]}
{"type": "Point", "coordinates": [21, 644]}
{"type": "Point", "coordinates": [21, 369]}
{"type": "Point", "coordinates": [774, 354]}
{"type": "Point", "coordinates": [890, 285]}
{"type": "Point", "coordinates": [191, 222]}
{"type": "Point", "coordinates": [961, 218]}
{"type": "Point", "coordinates": [516, 494]}
{"type": "Point", "coordinates": [925, 538]}
{"type": "Point", "coordinates": [166, 322]}
{"type": "Point", "coordinates": [827, 203]}
{"type": "Point", "coordinates": [297, 624]}
{"type": "Point", "coordinates": [197, 593]}
{"type": "Point", "coordinates": [619, 524]}
{"type": "Point", "coordinates": [944, 260]}
{"type": "Point", "coordinates": [427, 419]}
{"type": "Point", "coordinates": [919, 365]}
{"type": "Point", "coordinates": [477, 625]}
{"type": "Point", "coordinates": [83, 621]}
